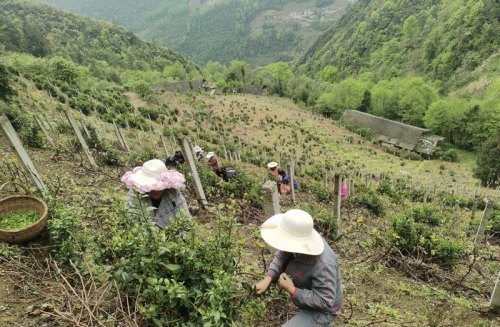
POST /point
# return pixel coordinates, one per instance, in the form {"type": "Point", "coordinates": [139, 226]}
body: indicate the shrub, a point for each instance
{"type": "Point", "coordinates": [26, 127]}
{"type": "Point", "coordinates": [137, 158]}
{"type": "Point", "coordinates": [426, 214]}
{"type": "Point", "coordinates": [176, 274]}
{"type": "Point", "coordinates": [64, 230]}
{"type": "Point", "coordinates": [417, 238]}
{"type": "Point", "coordinates": [369, 199]}
{"type": "Point", "coordinates": [243, 187]}
{"type": "Point", "coordinates": [321, 193]}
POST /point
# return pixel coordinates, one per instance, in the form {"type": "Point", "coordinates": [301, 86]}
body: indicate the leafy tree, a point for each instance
{"type": "Point", "coordinates": [403, 99]}
{"type": "Point", "coordinates": [213, 71]}
{"type": "Point", "coordinates": [329, 74]}
{"type": "Point", "coordinates": [488, 162]}
{"type": "Point", "coordinates": [174, 72]}
{"type": "Point", "coordinates": [277, 76]}
{"type": "Point", "coordinates": [343, 96]}
{"type": "Point", "coordinates": [445, 117]}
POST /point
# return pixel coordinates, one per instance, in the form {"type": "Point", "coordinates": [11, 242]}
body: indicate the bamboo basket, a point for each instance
{"type": "Point", "coordinates": [26, 202]}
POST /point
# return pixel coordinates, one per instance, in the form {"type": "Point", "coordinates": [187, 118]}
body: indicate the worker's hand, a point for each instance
{"type": "Point", "coordinates": [286, 283]}
{"type": "Point", "coordinates": [262, 286]}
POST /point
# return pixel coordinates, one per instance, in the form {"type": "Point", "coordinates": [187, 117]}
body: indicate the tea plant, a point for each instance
{"type": "Point", "coordinates": [179, 276]}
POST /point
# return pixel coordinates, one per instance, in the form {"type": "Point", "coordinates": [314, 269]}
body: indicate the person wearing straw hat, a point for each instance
{"type": "Point", "coordinates": [305, 266]}
{"type": "Point", "coordinates": [162, 189]}
{"type": "Point", "coordinates": [200, 154]}
{"type": "Point", "coordinates": [282, 177]}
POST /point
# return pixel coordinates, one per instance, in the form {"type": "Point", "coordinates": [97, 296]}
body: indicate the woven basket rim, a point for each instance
{"type": "Point", "coordinates": [42, 215]}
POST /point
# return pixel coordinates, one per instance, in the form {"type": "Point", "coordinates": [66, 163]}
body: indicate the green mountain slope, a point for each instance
{"type": "Point", "coordinates": [42, 31]}
{"type": "Point", "coordinates": [260, 31]}
{"type": "Point", "coordinates": [392, 38]}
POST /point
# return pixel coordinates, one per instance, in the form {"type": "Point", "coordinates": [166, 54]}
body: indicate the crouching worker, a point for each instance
{"type": "Point", "coordinates": [160, 189]}
{"type": "Point", "coordinates": [305, 266]}
{"type": "Point", "coordinates": [175, 160]}
{"type": "Point", "coordinates": [282, 178]}
{"type": "Point", "coordinates": [227, 173]}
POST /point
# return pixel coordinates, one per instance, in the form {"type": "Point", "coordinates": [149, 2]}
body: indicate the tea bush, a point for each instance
{"type": "Point", "coordinates": [317, 189]}
{"type": "Point", "coordinates": [179, 277]}
{"type": "Point", "coordinates": [65, 230]}
{"type": "Point", "coordinates": [369, 199]}
{"type": "Point", "coordinates": [26, 127]}
{"type": "Point", "coordinates": [137, 158]}
{"type": "Point", "coordinates": [426, 214]}
{"type": "Point", "coordinates": [418, 238]}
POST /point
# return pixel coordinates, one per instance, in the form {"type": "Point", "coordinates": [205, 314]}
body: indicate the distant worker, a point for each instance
{"type": "Point", "coordinates": [162, 187]}
{"type": "Point", "coordinates": [199, 153]}
{"type": "Point", "coordinates": [175, 160]}
{"type": "Point", "coordinates": [282, 178]}
{"type": "Point", "coordinates": [226, 173]}
{"type": "Point", "coordinates": [305, 267]}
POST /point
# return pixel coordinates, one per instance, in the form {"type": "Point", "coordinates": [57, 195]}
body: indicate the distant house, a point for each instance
{"type": "Point", "coordinates": [184, 86]}
{"type": "Point", "coordinates": [255, 89]}
{"type": "Point", "coordinates": [398, 134]}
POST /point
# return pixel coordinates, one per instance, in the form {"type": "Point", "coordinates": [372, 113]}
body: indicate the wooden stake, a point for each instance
{"type": "Point", "coordinates": [81, 139]}
{"type": "Point", "coordinates": [192, 167]}
{"type": "Point", "coordinates": [21, 153]}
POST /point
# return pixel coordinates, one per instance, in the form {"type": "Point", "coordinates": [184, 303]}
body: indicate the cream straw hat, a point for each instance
{"type": "Point", "coordinates": [293, 232]}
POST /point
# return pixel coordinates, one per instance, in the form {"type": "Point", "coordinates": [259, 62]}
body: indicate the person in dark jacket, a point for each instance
{"type": "Point", "coordinates": [305, 266]}
{"type": "Point", "coordinates": [226, 173]}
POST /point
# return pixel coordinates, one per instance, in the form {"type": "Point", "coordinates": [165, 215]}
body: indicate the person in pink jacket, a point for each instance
{"type": "Point", "coordinates": [305, 266]}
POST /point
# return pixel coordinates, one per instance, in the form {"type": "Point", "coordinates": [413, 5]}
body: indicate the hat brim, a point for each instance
{"type": "Point", "coordinates": [274, 235]}
{"type": "Point", "coordinates": [143, 183]}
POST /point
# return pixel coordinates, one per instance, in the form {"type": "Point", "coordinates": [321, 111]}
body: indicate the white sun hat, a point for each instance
{"type": "Point", "coordinates": [272, 164]}
{"type": "Point", "coordinates": [153, 175]}
{"type": "Point", "coordinates": [210, 155]}
{"type": "Point", "coordinates": [292, 232]}
{"type": "Point", "coordinates": [198, 149]}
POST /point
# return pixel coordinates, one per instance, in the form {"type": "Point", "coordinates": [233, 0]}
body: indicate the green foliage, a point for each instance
{"type": "Point", "coordinates": [65, 230]}
{"type": "Point", "coordinates": [413, 236]}
{"type": "Point", "coordinates": [276, 76]}
{"type": "Point", "coordinates": [329, 74]}
{"type": "Point", "coordinates": [488, 162]}
{"type": "Point", "coordinates": [26, 127]}
{"type": "Point", "coordinates": [176, 274]}
{"type": "Point", "coordinates": [494, 223]}
{"type": "Point", "coordinates": [137, 158]}
{"type": "Point", "coordinates": [346, 95]}
{"type": "Point", "coordinates": [220, 30]}
{"type": "Point", "coordinates": [322, 193]}
{"type": "Point", "coordinates": [43, 31]}
{"type": "Point", "coordinates": [402, 99]}
{"type": "Point", "coordinates": [394, 38]}
{"type": "Point", "coordinates": [6, 90]}
{"type": "Point", "coordinates": [369, 199]}
{"type": "Point", "coordinates": [243, 186]}
{"type": "Point", "coordinates": [8, 250]}
{"type": "Point", "coordinates": [446, 117]}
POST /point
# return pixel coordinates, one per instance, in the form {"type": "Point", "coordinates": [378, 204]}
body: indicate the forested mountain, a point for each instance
{"type": "Point", "coordinates": [257, 31]}
{"type": "Point", "coordinates": [442, 40]}
{"type": "Point", "coordinates": [44, 31]}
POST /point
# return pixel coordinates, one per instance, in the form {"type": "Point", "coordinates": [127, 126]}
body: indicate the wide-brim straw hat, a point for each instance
{"type": "Point", "coordinates": [198, 149]}
{"type": "Point", "coordinates": [292, 231]}
{"type": "Point", "coordinates": [272, 164]}
{"type": "Point", "coordinates": [210, 155]}
{"type": "Point", "coordinates": [153, 175]}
